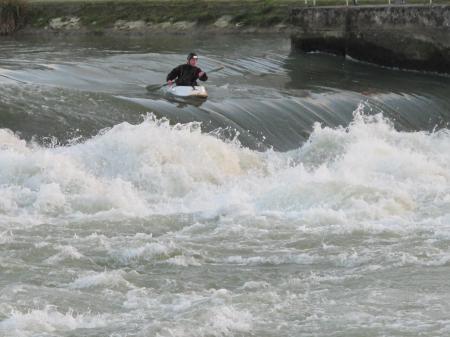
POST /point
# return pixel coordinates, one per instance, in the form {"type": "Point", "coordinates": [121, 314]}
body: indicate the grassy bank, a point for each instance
{"type": "Point", "coordinates": [100, 14]}
{"type": "Point", "coordinates": [297, 3]}
{"type": "Point", "coordinates": [169, 15]}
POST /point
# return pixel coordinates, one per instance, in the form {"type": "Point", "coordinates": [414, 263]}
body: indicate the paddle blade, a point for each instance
{"type": "Point", "coordinates": [216, 69]}
{"type": "Point", "coordinates": [154, 87]}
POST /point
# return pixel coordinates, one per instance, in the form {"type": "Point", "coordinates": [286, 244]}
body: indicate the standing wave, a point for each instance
{"type": "Point", "coordinates": [365, 172]}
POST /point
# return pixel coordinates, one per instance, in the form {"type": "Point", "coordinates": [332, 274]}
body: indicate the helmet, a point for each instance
{"type": "Point", "coordinates": [192, 56]}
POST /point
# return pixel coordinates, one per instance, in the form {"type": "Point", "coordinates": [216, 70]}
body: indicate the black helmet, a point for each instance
{"type": "Point", "coordinates": [192, 56]}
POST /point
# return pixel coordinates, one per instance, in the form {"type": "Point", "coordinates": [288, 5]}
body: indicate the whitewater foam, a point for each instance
{"type": "Point", "coordinates": [359, 174]}
{"type": "Point", "coordinates": [48, 320]}
{"type": "Point", "coordinates": [113, 279]}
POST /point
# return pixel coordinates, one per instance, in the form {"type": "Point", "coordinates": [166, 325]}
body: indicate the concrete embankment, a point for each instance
{"type": "Point", "coordinates": [409, 37]}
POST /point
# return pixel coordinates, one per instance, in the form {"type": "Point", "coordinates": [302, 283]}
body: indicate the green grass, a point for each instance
{"type": "Point", "coordinates": [296, 3]}
{"type": "Point", "coordinates": [99, 14]}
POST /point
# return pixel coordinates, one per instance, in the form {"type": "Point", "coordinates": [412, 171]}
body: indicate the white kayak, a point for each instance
{"type": "Point", "coordinates": [188, 91]}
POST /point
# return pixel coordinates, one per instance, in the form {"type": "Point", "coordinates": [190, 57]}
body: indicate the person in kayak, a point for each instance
{"type": "Point", "coordinates": [188, 73]}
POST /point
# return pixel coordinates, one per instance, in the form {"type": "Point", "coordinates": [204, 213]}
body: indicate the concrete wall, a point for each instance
{"type": "Point", "coordinates": [409, 37]}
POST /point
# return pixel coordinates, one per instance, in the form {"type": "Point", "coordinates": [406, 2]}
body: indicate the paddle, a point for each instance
{"type": "Point", "coordinates": [14, 79]}
{"type": "Point", "coordinates": [154, 87]}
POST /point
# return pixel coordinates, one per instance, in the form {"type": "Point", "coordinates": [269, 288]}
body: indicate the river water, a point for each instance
{"type": "Point", "coordinates": [309, 195]}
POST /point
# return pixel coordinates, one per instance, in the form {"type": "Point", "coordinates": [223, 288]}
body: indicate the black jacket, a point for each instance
{"type": "Point", "coordinates": [185, 74]}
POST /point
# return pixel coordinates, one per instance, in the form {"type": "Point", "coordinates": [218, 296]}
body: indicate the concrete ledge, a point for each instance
{"type": "Point", "coordinates": [409, 37]}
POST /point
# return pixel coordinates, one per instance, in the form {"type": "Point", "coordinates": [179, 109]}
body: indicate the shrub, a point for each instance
{"type": "Point", "coordinates": [12, 13]}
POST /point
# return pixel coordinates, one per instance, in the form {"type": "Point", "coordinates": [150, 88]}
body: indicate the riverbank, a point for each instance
{"type": "Point", "coordinates": [403, 36]}
{"type": "Point", "coordinates": [142, 17]}
{"type": "Point", "coordinates": [168, 16]}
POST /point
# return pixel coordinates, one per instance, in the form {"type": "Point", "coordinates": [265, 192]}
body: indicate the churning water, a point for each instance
{"type": "Point", "coordinates": [308, 196]}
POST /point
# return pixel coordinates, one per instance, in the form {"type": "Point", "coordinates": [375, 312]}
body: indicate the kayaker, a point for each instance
{"type": "Point", "coordinates": [188, 73]}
